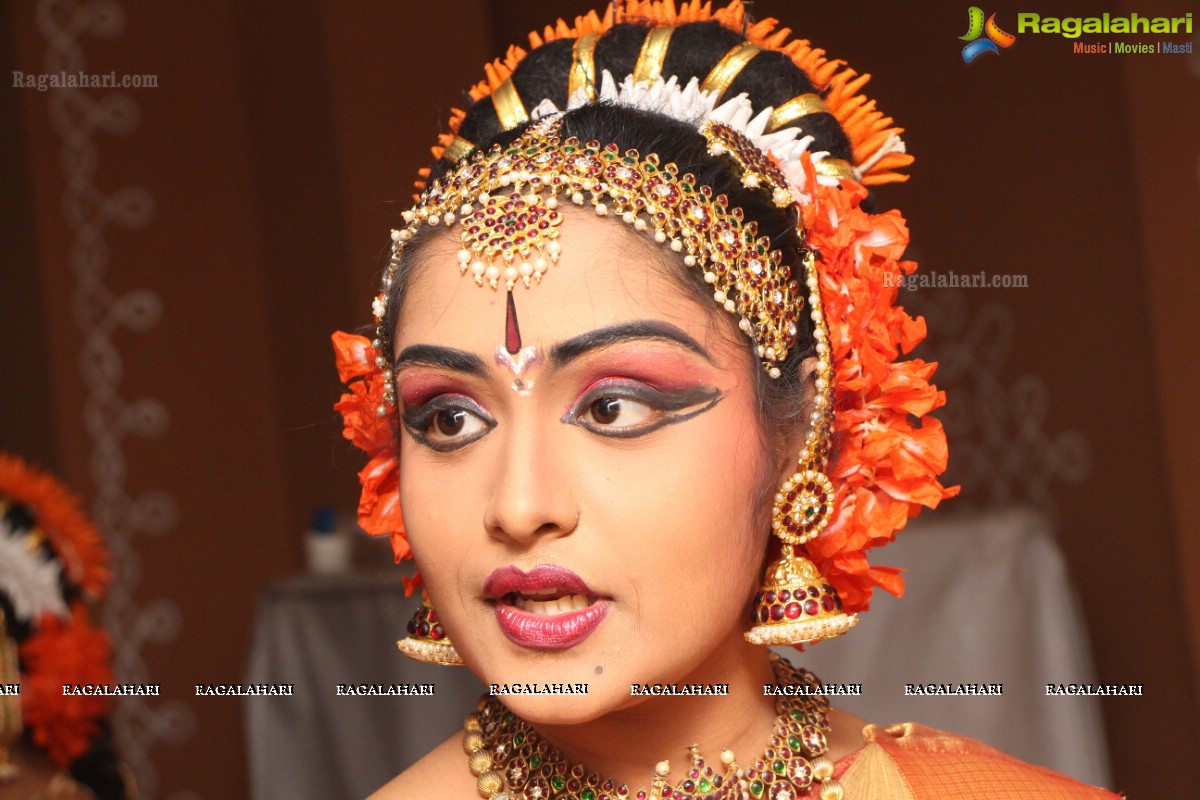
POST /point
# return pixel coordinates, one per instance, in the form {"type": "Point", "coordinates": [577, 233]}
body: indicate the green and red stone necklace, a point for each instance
{"type": "Point", "coordinates": [512, 762]}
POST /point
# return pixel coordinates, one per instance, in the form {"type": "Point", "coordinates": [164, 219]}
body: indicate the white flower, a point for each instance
{"type": "Point", "coordinates": [30, 579]}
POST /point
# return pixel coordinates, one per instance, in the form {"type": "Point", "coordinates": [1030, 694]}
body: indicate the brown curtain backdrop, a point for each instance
{"type": "Point", "coordinates": [280, 144]}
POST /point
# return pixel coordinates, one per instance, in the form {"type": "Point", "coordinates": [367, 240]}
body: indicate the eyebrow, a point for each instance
{"type": "Point", "coordinates": [570, 349]}
{"type": "Point", "coordinates": [437, 356]}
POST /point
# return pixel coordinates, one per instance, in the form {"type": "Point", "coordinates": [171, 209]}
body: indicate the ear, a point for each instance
{"type": "Point", "coordinates": [798, 425]}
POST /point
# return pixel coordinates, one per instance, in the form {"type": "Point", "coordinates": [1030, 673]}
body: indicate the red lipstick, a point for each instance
{"type": "Point", "coordinates": [547, 608]}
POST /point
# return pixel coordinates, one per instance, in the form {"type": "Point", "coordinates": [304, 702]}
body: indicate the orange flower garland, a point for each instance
{"type": "Point", "coordinates": [379, 504]}
{"type": "Point", "coordinates": [64, 653]}
{"type": "Point", "coordinates": [887, 454]}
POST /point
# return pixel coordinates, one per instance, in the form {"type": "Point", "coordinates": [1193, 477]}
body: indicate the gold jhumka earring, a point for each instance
{"type": "Point", "coordinates": [796, 603]}
{"type": "Point", "coordinates": [427, 641]}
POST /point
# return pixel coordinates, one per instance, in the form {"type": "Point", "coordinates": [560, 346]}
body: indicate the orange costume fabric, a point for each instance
{"type": "Point", "coordinates": [913, 762]}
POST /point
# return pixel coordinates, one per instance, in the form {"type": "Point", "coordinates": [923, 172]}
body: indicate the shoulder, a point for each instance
{"type": "Point", "coordinates": [914, 762]}
{"type": "Point", "coordinates": [444, 767]}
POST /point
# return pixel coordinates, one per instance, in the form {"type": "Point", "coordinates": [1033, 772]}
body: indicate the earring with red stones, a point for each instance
{"type": "Point", "coordinates": [427, 640]}
{"type": "Point", "coordinates": [796, 603]}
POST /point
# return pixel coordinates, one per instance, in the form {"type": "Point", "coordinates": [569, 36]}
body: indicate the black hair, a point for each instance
{"type": "Point", "coordinates": [768, 79]}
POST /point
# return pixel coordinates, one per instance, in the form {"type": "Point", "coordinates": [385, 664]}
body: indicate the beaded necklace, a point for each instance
{"type": "Point", "coordinates": [512, 762]}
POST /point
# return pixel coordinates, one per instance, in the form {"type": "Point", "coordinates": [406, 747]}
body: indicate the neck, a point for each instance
{"type": "Point", "coordinates": [625, 745]}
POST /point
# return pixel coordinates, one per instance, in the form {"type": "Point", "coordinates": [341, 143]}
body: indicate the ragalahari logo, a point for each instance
{"type": "Point", "coordinates": [976, 27]}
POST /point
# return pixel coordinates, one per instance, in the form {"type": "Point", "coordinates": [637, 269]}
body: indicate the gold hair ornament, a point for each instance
{"type": "Point", "coordinates": [757, 168]}
{"type": "Point", "coordinates": [729, 67]}
{"type": "Point", "coordinates": [654, 52]}
{"type": "Point", "coordinates": [799, 106]}
{"type": "Point", "coordinates": [457, 149]}
{"type": "Point", "coordinates": [509, 108]}
{"type": "Point", "coordinates": [583, 66]}
{"type": "Point", "coordinates": [834, 168]}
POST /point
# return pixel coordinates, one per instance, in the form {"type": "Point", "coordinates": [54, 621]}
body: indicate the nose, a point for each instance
{"type": "Point", "coordinates": [531, 496]}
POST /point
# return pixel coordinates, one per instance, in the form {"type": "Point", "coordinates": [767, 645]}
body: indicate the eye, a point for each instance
{"type": "Point", "coordinates": [623, 408]}
{"type": "Point", "coordinates": [618, 412]}
{"type": "Point", "coordinates": [447, 422]}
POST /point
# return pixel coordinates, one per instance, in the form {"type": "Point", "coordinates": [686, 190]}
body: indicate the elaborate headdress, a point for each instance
{"type": "Point", "coordinates": [870, 432]}
{"type": "Point", "coordinates": [53, 562]}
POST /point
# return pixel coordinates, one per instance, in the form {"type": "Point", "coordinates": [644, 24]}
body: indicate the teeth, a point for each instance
{"type": "Point", "coordinates": [574, 602]}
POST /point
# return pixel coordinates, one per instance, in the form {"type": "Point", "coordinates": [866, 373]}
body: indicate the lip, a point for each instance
{"type": "Point", "coordinates": [540, 631]}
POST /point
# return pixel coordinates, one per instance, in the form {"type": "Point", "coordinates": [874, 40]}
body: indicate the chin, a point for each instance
{"type": "Point", "coordinates": [553, 687]}
{"type": "Point", "coordinates": [560, 710]}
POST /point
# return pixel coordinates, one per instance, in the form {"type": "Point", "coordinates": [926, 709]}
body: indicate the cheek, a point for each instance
{"type": "Point", "coordinates": [434, 520]}
{"type": "Point", "coordinates": [687, 518]}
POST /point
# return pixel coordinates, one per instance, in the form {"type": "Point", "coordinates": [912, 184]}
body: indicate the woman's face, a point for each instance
{"type": "Point", "coordinates": [588, 508]}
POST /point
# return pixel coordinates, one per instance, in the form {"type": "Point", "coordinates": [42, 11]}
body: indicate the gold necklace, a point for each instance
{"type": "Point", "coordinates": [512, 762]}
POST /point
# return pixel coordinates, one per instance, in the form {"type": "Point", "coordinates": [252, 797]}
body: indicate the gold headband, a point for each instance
{"type": "Point", "coordinates": [583, 66]}
{"type": "Point", "coordinates": [654, 53]}
{"type": "Point", "coordinates": [505, 202]}
{"type": "Point", "coordinates": [728, 68]}
{"type": "Point", "coordinates": [794, 109]}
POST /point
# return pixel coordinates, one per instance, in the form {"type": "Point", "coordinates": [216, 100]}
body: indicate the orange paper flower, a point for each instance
{"type": "Point", "coordinates": [887, 455]}
{"type": "Point", "coordinates": [371, 431]}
